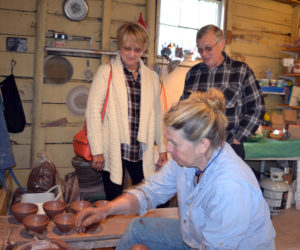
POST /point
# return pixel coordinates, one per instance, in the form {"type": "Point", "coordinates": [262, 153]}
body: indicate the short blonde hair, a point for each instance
{"type": "Point", "coordinates": [200, 116]}
{"type": "Point", "coordinates": [136, 32]}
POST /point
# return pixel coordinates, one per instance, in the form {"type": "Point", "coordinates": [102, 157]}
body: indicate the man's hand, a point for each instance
{"type": "Point", "coordinates": [163, 158]}
{"type": "Point", "coordinates": [235, 141]}
{"type": "Point", "coordinates": [98, 162]}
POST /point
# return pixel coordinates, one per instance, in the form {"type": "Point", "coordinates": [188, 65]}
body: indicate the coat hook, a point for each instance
{"type": "Point", "coordinates": [12, 65]}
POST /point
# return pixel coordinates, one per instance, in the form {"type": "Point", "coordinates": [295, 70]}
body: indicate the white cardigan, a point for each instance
{"type": "Point", "coordinates": [106, 138]}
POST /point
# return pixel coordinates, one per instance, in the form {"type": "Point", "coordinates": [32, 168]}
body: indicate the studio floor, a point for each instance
{"type": "Point", "coordinates": [287, 226]}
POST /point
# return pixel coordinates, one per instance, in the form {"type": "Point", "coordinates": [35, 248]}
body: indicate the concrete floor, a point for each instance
{"type": "Point", "coordinates": [287, 226]}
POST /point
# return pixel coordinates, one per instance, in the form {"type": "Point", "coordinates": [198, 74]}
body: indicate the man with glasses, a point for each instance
{"type": "Point", "coordinates": [244, 101]}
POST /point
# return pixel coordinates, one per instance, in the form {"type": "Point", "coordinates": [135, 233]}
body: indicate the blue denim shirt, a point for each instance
{"type": "Point", "coordinates": [225, 210]}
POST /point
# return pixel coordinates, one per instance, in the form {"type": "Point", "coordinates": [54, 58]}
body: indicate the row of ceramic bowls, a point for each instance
{"type": "Point", "coordinates": [26, 213]}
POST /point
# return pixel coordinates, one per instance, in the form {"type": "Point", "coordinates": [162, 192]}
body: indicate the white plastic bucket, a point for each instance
{"type": "Point", "coordinates": [40, 198]}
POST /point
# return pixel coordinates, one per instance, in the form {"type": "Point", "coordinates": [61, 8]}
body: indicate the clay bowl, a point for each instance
{"type": "Point", "coordinates": [36, 222]}
{"type": "Point", "coordinates": [139, 247]}
{"type": "Point", "coordinates": [77, 206]}
{"type": "Point", "coordinates": [21, 210]}
{"type": "Point", "coordinates": [53, 208]}
{"type": "Point", "coordinates": [65, 222]}
{"type": "Point", "coordinates": [100, 203]}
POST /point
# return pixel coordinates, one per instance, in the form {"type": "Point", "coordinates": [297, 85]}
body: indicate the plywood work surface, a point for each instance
{"type": "Point", "coordinates": [107, 234]}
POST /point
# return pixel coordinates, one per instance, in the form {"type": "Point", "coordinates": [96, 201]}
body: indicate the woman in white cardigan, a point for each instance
{"type": "Point", "coordinates": [133, 121]}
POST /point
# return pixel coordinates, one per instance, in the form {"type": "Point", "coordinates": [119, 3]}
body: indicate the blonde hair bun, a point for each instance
{"type": "Point", "coordinates": [213, 98]}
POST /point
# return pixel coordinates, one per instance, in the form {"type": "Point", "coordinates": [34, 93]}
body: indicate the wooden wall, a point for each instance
{"type": "Point", "coordinates": [18, 18]}
{"type": "Point", "coordinates": [255, 28]}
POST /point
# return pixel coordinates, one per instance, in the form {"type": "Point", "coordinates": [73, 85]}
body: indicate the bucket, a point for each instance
{"type": "Point", "coordinates": [40, 198]}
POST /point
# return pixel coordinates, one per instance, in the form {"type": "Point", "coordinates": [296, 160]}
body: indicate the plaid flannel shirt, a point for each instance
{"type": "Point", "coordinates": [133, 152]}
{"type": "Point", "coordinates": [245, 105]}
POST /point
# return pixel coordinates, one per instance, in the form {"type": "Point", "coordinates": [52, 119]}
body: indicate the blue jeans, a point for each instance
{"type": "Point", "coordinates": [155, 233]}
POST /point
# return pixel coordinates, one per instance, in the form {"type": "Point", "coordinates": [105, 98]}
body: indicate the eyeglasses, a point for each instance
{"type": "Point", "coordinates": [207, 48]}
{"type": "Point", "coordinates": [136, 50]}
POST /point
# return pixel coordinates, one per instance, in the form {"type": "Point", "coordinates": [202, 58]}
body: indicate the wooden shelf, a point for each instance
{"type": "Point", "coordinates": [291, 74]}
{"type": "Point", "coordinates": [284, 106]}
{"type": "Point", "coordinates": [273, 93]}
{"type": "Point", "coordinates": [296, 50]}
{"type": "Point", "coordinates": [81, 52]}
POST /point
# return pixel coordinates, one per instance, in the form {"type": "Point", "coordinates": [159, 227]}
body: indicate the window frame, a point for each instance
{"type": "Point", "coordinates": [221, 24]}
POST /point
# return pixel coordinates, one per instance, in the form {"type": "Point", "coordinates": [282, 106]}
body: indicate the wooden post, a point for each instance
{"type": "Point", "coordinates": [228, 26]}
{"type": "Point", "coordinates": [37, 134]}
{"type": "Point", "coordinates": [295, 24]}
{"type": "Point", "coordinates": [150, 17]}
{"type": "Point", "coordinates": [106, 29]}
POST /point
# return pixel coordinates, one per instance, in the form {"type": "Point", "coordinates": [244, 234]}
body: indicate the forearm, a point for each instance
{"type": "Point", "coordinates": [124, 204]}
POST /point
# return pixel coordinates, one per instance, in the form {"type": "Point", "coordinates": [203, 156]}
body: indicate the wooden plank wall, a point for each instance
{"type": "Point", "coordinates": [18, 19]}
{"type": "Point", "coordinates": [256, 27]}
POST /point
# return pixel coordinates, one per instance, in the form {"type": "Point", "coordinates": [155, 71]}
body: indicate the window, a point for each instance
{"type": "Point", "coordinates": [181, 19]}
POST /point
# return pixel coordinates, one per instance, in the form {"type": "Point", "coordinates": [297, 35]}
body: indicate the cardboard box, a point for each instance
{"type": "Point", "coordinates": [278, 125]}
{"type": "Point", "coordinates": [277, 121]}
{"type": "Point", "coordinates": [294, 130]}
{"type": "Point", "coordinates": [290, 116]}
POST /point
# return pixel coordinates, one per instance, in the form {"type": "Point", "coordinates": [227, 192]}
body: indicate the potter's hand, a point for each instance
{"type": "Point", "coordinates": [89, 216]}
{"type": "Point", "coordinates": [98, 162]}
{"type": "Point", "coordinates": [162, 159]}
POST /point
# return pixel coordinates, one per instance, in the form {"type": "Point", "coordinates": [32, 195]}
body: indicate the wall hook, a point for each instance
{"type": "Point", "coordinates": [12, 65]}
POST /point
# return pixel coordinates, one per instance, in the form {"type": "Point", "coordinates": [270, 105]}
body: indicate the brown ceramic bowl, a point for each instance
{"type": "Point", "coordinates": [100, 203]}
{"type": "Point", "coordinates": [77, 206]}
{"type": "Point", "coordinates": [21, 210]}
{"type": "Point", "coordinates": [65, 222]}
{"type": "Point", "coordinates": [53, 208]}
{"type": "Point", "coordinates": [36, 222]}
{"type": "Point", "coordinates": [139, 247]}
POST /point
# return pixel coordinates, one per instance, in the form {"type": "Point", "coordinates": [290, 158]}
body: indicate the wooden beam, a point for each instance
{"type": "Point", "coordinates": [295, 24]}
{"type": "Point", "coordinates": [228, 26]}
{"type": "Point", "coordinates": [150, 17]}
{"type": "Point", "coordinates": [37, 136]}
{"type": "Point", "coordinates": [4, 195]}
{"type": "Point", "coordinates": [292, 2]}
{"type": "Point", "coordinates": [106, 29]}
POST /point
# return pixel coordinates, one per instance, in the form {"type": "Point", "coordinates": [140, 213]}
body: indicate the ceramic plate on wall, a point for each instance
{"type": "Point", "coordinates": [77, 100]}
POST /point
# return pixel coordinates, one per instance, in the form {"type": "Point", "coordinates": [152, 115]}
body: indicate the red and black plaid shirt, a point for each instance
{"type": "Point", "coordinates": [133, 152]}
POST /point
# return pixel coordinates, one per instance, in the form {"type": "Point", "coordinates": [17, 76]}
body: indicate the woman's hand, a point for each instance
{"type": "Point", "coordinates": [89, 216]}
{"type": "Point", "coordinates": [162, 159]}
{"type": "Point", "coordinates": [98, 162]}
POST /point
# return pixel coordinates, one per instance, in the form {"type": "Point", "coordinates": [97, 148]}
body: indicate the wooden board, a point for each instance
{"type": "Point", "coordinates": [25, 22]}
{"type": "Point", "coordinates": [109, 233]}
{"type": "Point", "coordinates": [4, 195]}
{"type": "Point", "coordinates": [262, 14]}
{"type": "Point", "coordinates": [27, 5]}
{"type": "Point", "coordinates": [24, 66]}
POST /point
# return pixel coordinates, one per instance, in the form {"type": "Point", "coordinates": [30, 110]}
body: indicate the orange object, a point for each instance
{"type": "Point", "coordinates": [81, 144]}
